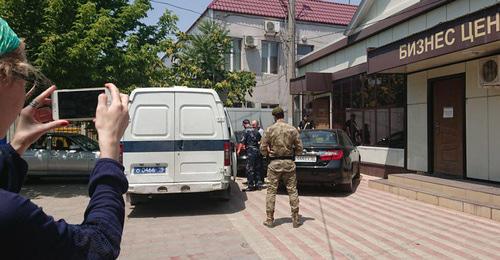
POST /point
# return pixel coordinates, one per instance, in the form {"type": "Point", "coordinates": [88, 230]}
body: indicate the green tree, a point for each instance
{"type": "Point", "coordinates": [198, 61]}
{"type": "Point", "coordinates": [84, 43]}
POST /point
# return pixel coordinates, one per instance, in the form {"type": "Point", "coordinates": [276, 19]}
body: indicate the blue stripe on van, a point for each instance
{"type": "Point", "coordinates": [173, 146]}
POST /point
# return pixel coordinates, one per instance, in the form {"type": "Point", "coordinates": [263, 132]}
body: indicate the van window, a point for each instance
{"type": "Point", "coordinates": [197, 120]}
{"type": "Point", "coordinates": [144, 115]}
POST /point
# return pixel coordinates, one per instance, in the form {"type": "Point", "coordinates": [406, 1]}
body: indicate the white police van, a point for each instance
{"type": "Point", "coordinates": [178, 141]}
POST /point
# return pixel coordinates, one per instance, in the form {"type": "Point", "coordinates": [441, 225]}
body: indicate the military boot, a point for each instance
{"type": "Point", "coordinates": [270, 219]}
{"type": "Point", "coordinates": [296, 219]}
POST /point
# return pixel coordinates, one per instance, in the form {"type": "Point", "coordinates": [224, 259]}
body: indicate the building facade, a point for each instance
{"type": "Point", "coordinates": [421, 81]}
{"type": "Point", "coordinates": [259, 34]}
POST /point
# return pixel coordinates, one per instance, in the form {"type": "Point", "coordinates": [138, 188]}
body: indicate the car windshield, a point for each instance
{"type": "Point", "coordinates": [86, 142]}
{"type": "Point", "coordinates": [318, 138]}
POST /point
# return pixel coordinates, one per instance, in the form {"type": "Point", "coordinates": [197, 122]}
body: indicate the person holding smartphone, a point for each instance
{"type": "Point", "coordinates": [26, 231]}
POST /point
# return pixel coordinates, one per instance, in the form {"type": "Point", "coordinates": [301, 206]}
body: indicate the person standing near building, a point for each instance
{"type": "Point", "coordinates": [259, 162]}
{"type": "Point", "coordinates": [251, 139]}
{"type": "Point", "coordinates": [256, 125]}
{"type": "Point", "coordinates": [280, 143]}
{"type": "Point", "coordinates": [306, 123]}
{"type": "Point", "coordinates": [351, 127]}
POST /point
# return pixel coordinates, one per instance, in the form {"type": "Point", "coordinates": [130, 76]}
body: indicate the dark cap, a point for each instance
{"type": "Point", "coordinates": [246, 122]}
{"type": "Point", "coordinates": [278, 111]}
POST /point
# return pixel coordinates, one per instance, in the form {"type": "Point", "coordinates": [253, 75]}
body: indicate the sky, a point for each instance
{"type": "Point", "coordinates": [197, 7]}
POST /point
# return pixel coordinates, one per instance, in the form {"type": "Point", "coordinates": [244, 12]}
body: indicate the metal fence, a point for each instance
{"type": "Point", "coordinates": [263, 115]}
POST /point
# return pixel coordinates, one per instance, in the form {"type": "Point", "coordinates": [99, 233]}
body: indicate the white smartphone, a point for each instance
{"type": "Point", "coordinates": [76, 104]}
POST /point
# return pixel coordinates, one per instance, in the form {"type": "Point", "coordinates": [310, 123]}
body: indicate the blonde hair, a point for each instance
{"type": "Point", "coordinates": [16, 64]}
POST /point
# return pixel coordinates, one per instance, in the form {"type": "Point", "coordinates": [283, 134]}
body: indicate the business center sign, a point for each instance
{"type": "Point", "coordinates": [469, 31]}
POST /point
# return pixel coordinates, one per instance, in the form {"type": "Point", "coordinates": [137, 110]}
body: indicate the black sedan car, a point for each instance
{"type": "Point", "coordinates": [329, 157]}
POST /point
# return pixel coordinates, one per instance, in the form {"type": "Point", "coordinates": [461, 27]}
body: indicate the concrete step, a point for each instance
{"type": "Point", "coordinates": [483, 193]}
{"type": "Point", "coordinates": [428, 194]}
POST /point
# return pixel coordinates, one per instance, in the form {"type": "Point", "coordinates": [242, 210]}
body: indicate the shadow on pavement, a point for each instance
{"type": "Point", "coordinates": [55, 187]}
{"type": "Point", "coordinates": [190, 204]}
{"type": "Point", "coordinates": [322, 190]}
{"type": "Point", "coordinates": [281, 221]}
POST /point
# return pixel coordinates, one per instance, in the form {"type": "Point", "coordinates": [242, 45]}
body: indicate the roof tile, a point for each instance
{"type": "Point", "coordinates": [317, 11]}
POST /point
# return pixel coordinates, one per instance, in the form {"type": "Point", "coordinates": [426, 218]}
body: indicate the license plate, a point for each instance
{"type": "Point", "coordinates": [149, 170]}
{"type": "Point", "coordinates": [305, 159]}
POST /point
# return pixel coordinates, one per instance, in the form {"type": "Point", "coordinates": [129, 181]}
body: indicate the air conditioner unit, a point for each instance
{"type": "Point", "coordinates": [249, 41]}
{"type": "Point", "coordinates": [272, 27]}
{"type": "Point", "coordinates": [489, 72]}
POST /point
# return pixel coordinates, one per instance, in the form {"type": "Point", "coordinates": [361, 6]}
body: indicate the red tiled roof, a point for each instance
{"type": "Point", "coordinates": [306, 10]}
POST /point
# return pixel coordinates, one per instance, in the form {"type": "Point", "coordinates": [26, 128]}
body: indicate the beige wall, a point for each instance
{"type": "Point", "coordinates": [482, 122]}
{"type": "Point", "coordinates": [273, 88]}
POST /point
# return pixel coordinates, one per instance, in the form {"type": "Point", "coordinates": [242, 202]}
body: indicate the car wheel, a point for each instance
{"type": "Point", "coordinates": [346, 187]}
{"type": "Point", "coordinates": [357, 170]}
{"type": "Point", "coordinates": [32, 178]}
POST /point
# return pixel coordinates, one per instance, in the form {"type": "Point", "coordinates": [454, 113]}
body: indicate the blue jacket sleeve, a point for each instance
{"type": "Point", "coordinates": [13, 169]}
{"type": "Point", "coordinates": [98, 237]}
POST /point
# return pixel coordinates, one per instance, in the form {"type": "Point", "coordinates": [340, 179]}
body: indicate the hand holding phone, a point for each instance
{"type": "Point", "coordinates": [111, 121]}
{"type": "Point", "coordinates": [34, 121]}
{"type": "Point", "coordinates": [76, 104]}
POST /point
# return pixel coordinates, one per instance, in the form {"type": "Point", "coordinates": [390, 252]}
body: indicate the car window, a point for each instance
{"type": "Point", "coordinates": [59, 143]}
{"type": "Point", "coordinates": [312, 138]}
{"type": "Point", "coordinates": [86, 143]}
{"type": "Point", "coordinates": [41, 143]}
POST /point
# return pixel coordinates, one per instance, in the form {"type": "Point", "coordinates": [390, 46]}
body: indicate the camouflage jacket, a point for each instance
{"type": "Point", "coordinates": [281, 139]}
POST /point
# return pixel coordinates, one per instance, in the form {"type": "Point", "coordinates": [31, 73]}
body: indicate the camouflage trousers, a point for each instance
{"type": "Point", "coordinates": [290, 181]}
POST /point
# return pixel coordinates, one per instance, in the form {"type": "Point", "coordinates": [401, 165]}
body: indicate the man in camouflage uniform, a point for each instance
{"type": "Point", "coordinates": [250, 140]}
{"type": "Point", "coordinates": [280, 143]}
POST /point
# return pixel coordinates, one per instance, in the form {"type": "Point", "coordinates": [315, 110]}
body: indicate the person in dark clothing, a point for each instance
{"type": "Point", "coordinates": [26, 231]}
{"type": "Point", "coordinates": [306, 123]}
{"type": "Point", "coordinates": [250, 140]}
{"type": "Point", "coordinates": [351, 127]}
{"type": "Point", "coordinates": [259, 162]}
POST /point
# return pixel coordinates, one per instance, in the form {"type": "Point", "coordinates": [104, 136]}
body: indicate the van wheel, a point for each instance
{"type": "Point", "coordinates": [135, 199]}
{"type": "Point", "coordinates": [225, 195]}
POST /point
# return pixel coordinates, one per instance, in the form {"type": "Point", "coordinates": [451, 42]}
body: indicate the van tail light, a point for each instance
{"type": "Point", "coordinates": [121, 153]}
{"type": "Point", "coordinates": [227, 153]}
{"type": "Point", "coordinates": [331, 155]}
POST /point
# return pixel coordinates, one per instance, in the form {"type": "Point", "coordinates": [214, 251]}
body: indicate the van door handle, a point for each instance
{"type": "Point", "coordinates": [181, 145]}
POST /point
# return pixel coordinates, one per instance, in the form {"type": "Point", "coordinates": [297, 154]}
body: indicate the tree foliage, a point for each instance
{"type": "Point", "coordinates": [85, 43]}
{"type": "Point", "coordinates": [198, 61]}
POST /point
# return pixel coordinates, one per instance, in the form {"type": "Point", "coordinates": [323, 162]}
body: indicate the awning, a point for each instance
{"type": "Point", "coordinates": [471, 32]}
{"type": "Point", "coordinates": [311, 82]}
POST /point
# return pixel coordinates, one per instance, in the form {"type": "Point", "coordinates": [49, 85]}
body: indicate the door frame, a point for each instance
{"type": "Point", "coordinates": [430, 121]}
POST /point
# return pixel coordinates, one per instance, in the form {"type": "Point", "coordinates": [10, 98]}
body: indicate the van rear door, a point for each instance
{"type": "Point", "coordinates": [199, 137]}
{"type": "Point", "coordinates": [149, 141]}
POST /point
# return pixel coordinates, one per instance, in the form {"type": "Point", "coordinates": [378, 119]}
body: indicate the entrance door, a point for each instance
{"type": "Point", "coordinates": [448, 125]}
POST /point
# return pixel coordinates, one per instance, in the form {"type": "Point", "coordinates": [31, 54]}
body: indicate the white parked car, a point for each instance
{"type": "Point", "coordinates": [178, 141]}
{"type": "Point", "coordinates": [62, 154]}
